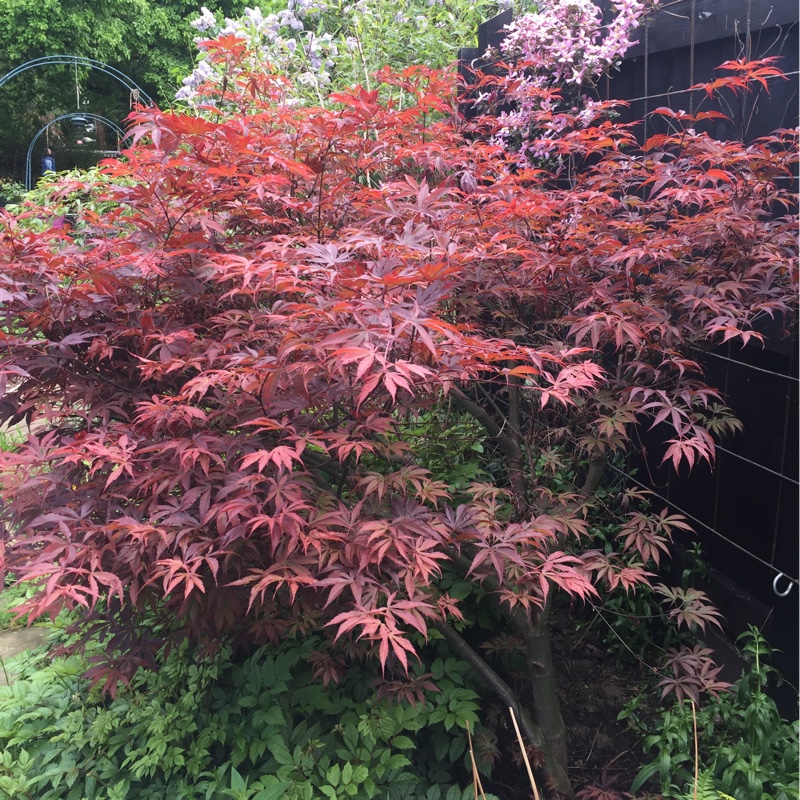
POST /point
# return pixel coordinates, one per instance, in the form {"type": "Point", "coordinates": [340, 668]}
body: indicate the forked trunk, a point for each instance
{"type": "Point", "coordinates": [555, 767]}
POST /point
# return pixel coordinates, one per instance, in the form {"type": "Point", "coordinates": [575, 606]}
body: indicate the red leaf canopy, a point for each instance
{"type": "Point", "coordinates": [216, 361]}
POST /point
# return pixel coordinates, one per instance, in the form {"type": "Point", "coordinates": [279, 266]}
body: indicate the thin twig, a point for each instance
{"type": "Point", "coordinates": [594, 739]}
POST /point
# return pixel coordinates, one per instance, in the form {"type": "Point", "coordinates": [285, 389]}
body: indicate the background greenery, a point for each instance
{"type": "Point", "coordinates": [150, 41]}
{"type": "Point", "coordinates": [153, 43]}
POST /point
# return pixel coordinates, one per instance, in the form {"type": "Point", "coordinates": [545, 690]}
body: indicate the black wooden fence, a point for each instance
{"type": "Point", "coordinates": [746, 511]}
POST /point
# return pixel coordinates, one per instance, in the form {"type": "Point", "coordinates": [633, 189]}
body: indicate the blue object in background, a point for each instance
{"type": "Point", "coordinates": [48, 162]}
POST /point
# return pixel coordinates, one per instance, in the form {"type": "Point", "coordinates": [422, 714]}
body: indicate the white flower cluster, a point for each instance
{"type": "Point", "coordinates": [206, 20]}
{"type": "Point", "coordinates": [280, 40]}
{"type": "Point", "coordinates": [202, 73]}
{"type": "Point", "coordinates": [307, 8]}
{"type": "Point", "coordinates": [317, 44]}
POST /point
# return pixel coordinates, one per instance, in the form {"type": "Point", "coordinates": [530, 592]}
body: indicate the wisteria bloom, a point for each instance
{"type": "Point", "coordinates": [205, 21]}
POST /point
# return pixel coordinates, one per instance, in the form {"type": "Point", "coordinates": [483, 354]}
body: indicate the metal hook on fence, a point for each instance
{"type": "Point", "coordinates": [786, 591]}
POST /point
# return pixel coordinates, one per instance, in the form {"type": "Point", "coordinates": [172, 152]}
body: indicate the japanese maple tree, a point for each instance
{"type": "Point", "coordinates": [216, 370]}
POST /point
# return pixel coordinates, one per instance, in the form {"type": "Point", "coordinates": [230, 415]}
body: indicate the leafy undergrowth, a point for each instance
{"type": "Point", "coordinates": [267, 727]}
{"type": "Point", "coordinates": [744, 747]}
{"type": "Point", "coordinates": [275, 725]}
{"type": "Point", "coordinates": [628, 744]}
{"type": "Point", "coordinates": [13, 594]}
{"type": "Point", "coordinates": [256, 728]}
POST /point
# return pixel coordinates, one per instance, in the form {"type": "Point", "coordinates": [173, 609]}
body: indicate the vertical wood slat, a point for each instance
{"type": "Point", "coordinates": [671, 22]}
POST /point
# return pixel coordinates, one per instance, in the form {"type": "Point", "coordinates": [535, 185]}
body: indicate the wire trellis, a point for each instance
{"type": "Point", "coordinates": [783, 375]}
{"type": "Point", "coordinates": [705, 525]}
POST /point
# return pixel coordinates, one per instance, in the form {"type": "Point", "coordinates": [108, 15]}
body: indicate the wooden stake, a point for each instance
{"type": "Point", "coordinates": [476, 778]}
{"type": "Point", "coordinates": [525, 755]}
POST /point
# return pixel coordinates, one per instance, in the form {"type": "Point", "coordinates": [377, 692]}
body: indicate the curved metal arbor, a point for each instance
{"type": "Point", "coordinates": [77, 61]}
{"type": "Point", "coordinates": [86, 115]}
{"type": "Point", "coordinates": [80, 61]}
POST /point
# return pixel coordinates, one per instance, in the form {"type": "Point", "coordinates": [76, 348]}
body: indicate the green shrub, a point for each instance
{"type": "Point", "coordinates": [211, 728]}
{"type": "Point", "coordinates": [746, 750]}
{"type": "Point", "coordinates": [13, 594]}
{"type": "Point", "coordinates": [10, 438]}
{"type": "Point", "coordinates": [11, 191]}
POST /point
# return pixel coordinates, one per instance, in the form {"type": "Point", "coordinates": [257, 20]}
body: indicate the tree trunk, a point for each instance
{"type": "Point", "coordinates": [555, 767]}
{"type": "Point", "coordinates": [545, 719]}
{"type": "Point", "coordinates": [546, 705]}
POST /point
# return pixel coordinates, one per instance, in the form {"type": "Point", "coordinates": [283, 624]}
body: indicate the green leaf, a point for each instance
{"type": "Point", "coordinates": [238, 783]}
{"type": "Point", "coordinates": [360, 774]}
{"type": "Point", "coordinates": [280, 752]}
{"type": "Point", "coordinates": [645, 773]}
{"type": "Point", "coordinates": [457, 747]}
{"type": "Point", "coordinates": [453, 793]}
{"type": "Point", "coordinates": [402, 743]}
{"type": "Point", "coordinates": [397, 761]}
{"type": "Point", "coordinates": [273, 792]}
{"type": "Point", "coordinates": [334, 775]}
{"type": "Point", "coordinates": [441, 744]}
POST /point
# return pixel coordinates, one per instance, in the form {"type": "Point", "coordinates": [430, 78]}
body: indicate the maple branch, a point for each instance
{"type": "Point", "coordinates": [552, 768]}
{"type": "Point", "coordinates": [489, 397]}
{"type": "Point", "coordinates": [319, 462]}
{"type": "Point", "coordinates": [514, 405]}
{"type": "Point", "coordinates": [509, 444]}
{"type": "Point", "coordinates": [479, 412]}
{"type": "Point", "coordinates": [516, 472]}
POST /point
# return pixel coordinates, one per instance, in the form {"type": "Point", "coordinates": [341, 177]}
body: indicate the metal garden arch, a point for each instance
{"type": "Point", "coordinates": [80, 61]}
{"type": "Point", "coordinates": [83, 114]}
{"type": "Point", "coordinates": [76, 61]}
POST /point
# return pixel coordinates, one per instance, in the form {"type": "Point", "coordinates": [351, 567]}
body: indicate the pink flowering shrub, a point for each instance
{"type": "Point", "coordinates": [564, 47]}
{"type": "Point", "coordinates": [566, 42]}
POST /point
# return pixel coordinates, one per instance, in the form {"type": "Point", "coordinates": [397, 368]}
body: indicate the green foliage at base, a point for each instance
{"type": "Point", "coordinates": [13, 594]}
{"type": "Point", "coordinates": [208, 728]}
{"type": "Point", "coordinates": [746, 750]}
{"type": "Point", "coordinates": [11, 191]}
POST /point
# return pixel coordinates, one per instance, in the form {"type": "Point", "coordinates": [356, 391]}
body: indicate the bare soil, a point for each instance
{"type": "Point", "coordinates": [594, 686]}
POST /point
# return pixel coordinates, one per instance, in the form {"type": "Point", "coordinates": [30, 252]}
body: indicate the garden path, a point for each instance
{"type": "Point", "coordinates": [14, 642]}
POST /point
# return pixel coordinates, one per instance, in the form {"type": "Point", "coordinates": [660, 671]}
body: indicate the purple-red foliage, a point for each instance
{"type": "Point", "coordinates": [215, 371]}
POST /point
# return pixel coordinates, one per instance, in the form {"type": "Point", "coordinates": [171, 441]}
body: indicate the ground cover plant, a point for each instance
{"type": "Point", "coordinates": [227, 354]}
{"type": "Point", "coordinates": [258, 728]}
